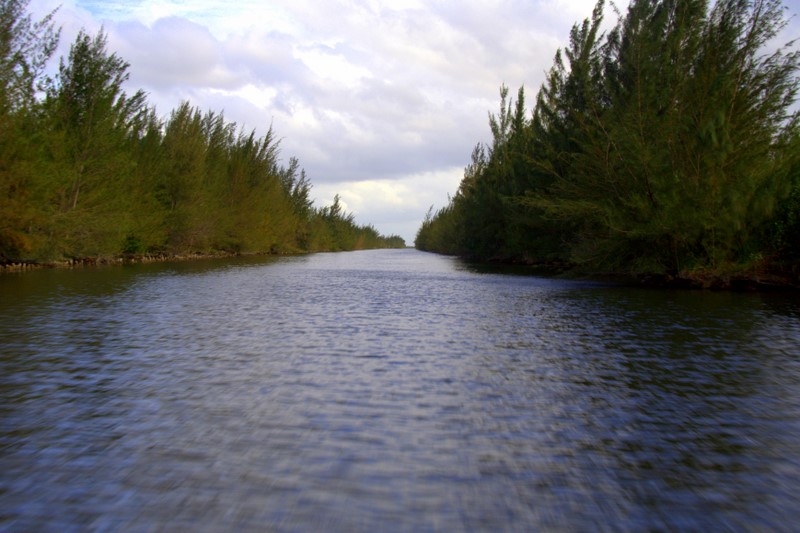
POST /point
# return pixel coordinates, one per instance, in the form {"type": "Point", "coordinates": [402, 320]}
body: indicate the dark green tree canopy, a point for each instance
{"type": "Point", "coordinates": [668, 143]}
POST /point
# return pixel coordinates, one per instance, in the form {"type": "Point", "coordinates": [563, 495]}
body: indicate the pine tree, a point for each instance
{"type": "Point", "coordinates": [664, 142]}
{"type": "Point", "coordinates": [93, 123]}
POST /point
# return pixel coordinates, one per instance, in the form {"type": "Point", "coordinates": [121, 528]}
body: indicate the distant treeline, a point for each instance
{"type": "Point", "coordinates": [87, 170]}
{"type": "Point", "coordinates": [667, 144]}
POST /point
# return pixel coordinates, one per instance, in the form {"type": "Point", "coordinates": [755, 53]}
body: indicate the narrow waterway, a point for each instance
{"type": "Point", "coordinates": [391, 390]}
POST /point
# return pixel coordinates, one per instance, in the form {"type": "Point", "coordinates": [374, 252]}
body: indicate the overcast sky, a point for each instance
{"type": "Point", "coordinates": [381, 101]}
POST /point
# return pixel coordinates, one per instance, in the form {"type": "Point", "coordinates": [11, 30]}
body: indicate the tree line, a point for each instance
{"type": "Point", "coordinates": [668, 144]}
{"type": "Point", "coordinates": [89, 170]}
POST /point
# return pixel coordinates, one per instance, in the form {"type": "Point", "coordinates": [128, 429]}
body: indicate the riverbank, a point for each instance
{"type": "Point", "coordinates": [24, 266]}
{"type": "Point", "coordinates": [760, 278]}
{"type": "Point", "coordinates": [131, 259]}
{"type": "Point", "coordinates": [769, 278]}
{"type": "Point", "coordinates": [759, 281]}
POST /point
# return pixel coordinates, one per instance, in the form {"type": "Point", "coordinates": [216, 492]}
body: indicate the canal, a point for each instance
{"type": "Point", "coordinates": [391, 390]}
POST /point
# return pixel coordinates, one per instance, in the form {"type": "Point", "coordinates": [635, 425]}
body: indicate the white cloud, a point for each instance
{"type": "Point", "coordinates": [393, 206]}
{"type": "Point", "coordinates": [174, 52]}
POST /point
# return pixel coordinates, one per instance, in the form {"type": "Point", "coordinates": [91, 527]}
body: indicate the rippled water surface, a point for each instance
{"type": "Point", "coordinates": [391, 391]}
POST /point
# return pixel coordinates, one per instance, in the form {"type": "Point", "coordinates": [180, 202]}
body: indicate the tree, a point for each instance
{"type": "Point", "coordinates": [93, 126]}
{"type": "Point", "coordinates": [87, 170]}
{"type": "Point", "coordinates": [567, 121]}
{"type": "Point", "coordinates": [665, 145]}
{"type": "Point", "coordinates": [92, 111]}
{"type": "Point", "coordinates": [680, 154]}
{"type": "Point", "coordinates": [25, 48]}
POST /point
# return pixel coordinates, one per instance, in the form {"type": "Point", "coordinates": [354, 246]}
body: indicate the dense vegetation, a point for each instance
{"type": "Point", "coordinates": [87, 170]}
{"type": "Point", "coordinates": [666, 145]}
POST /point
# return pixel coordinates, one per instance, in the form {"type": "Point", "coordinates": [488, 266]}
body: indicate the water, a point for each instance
{"type": "Point", "coordinates": [391, 391]}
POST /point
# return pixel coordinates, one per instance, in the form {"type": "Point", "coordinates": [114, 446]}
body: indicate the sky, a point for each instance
{"type": "Point", "coordinates": [381, 101]}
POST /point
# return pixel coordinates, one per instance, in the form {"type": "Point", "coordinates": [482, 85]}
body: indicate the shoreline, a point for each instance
{"type": "Point", "coordinates": [125, 259]}
{"type": "Point", "coordinates": [764, 279]}
{"type": "Point", "coordinates": [710, 281]}
{"type": "Point", "coordinates": [133, 259]}
{"type": "Point", "coordinates": [769, 279]}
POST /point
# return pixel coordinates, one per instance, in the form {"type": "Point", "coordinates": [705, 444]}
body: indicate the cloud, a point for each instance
{"type": "Point", "coordinates": [399, 204]}
{"type": "Point", "coordinates": [175, 52]}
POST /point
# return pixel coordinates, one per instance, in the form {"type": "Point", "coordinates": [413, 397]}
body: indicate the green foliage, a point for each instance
{"type": "Point", "coordinates": [783, 234]}
{"type": "Point", "coordinates": [88, 167]}
{"type": "Point", "coordinates": [92, 171]}
{"type": "Point", "coordinates": [25, 47]}
{"type": "Point", "coordinates": [133, 245]}
{"type": "Point", "coordinates": [664, 145]}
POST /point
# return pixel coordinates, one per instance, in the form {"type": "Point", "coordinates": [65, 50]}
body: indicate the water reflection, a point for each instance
{"type": "Point", "coordinates": [390, 390]}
